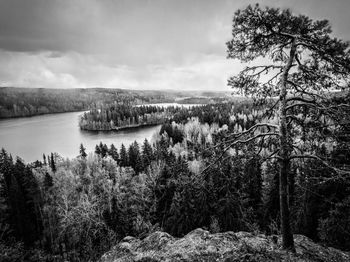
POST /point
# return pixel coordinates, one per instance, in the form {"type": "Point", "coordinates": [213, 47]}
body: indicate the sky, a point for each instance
{"type": "Point", "coordinates": [133, 44]}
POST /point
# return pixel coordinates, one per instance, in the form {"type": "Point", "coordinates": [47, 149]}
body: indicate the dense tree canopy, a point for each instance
{"type": "Point", "coordinates": [86, 205]}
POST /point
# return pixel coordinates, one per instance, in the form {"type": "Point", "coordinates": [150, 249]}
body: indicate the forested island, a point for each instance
{"type": "Point", "coordinates": [120, 116]}
{"type": "Point", "coordinates": [124, 115]}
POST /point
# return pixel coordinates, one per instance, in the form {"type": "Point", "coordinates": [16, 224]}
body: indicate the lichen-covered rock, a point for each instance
{"type": "Point", "coordinates": [200, 245]}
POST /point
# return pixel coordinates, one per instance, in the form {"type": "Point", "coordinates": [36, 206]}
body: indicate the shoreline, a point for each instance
{"type": "Point", "coordinates": [86, 110]}
{"type": "Point", "coordinates": [43, 114]}
{"type": "Point", "coordinates": [117, 129]}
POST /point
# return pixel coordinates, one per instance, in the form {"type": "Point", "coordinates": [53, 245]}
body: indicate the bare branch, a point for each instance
{"type": "Point", "coordinates": [269, 82]}
{"type": "Point", "coordinates": [214, 163]}
{"type": "Point", "coordinates": [300, 104]}
{"type": "Point", "coordinates": [265, 68]}
{"type": "Point", "coordinates": [272, 155]}
{"type": "Point", "coordinates": [301, 99]}
{"type": "Point", "coordinates": [268, 113]}
{"type": "Point", "coordinates": [235, 142]}
{"type": "Point", "coordinates": [337, 170]}
{"type": "Point", "coordinates": [237, 135]}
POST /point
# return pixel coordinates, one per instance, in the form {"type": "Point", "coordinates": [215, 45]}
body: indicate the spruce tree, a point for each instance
{"type": "Point", "coordinates": [104, 149]}
{"type": "Point", "coordinates": [113, 152]}
{"type": "Point", "coordinates": [162, 148]}
{"type": "Point", "coordinates": [82, 151]}
{"type": "Point", "coordinates": [135, 157]}
{"type": "Point", "coordinates": [53, 164]}
{"type": "Point", "coordinates": [97, 150]}
{"type": "Point", "coordinates": [123, 156]}
{"type": "Point", "coordinates": [44, 158]}
{"type": "Point", "coordinates": [23, 200]}
{"type": "Point", "coordinates": [48, 181]}
{"type": "Point", "coordinates": [147, 153]}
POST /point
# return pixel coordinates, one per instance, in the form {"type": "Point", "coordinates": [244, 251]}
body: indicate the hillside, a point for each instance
{"type": "Point", "coordinates": [200, 245]}
{"type": "Point", "coordinates": [20, 102]}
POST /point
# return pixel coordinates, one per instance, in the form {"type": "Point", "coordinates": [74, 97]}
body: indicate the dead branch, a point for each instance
{"type": "Point", "coordinates": [337, 170]}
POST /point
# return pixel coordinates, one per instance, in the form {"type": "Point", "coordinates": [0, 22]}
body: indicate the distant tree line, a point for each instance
{"type": "Point", "coordinates": [22, 102]}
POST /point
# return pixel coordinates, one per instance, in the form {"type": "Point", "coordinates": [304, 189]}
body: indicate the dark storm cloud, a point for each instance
{"type": "Point", "coordinates": [129, 31]}
{"type": "Point", "coordinates": [38, 25]}
{"type": "Point", "coordinates": [131, 43]}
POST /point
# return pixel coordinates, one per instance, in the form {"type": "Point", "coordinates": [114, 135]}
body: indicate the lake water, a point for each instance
{"type": "Point", "coordinates": [30, 137]}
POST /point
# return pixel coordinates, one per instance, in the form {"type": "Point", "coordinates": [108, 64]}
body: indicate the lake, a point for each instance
{"type": "Point", "coordinates": [30, 137]}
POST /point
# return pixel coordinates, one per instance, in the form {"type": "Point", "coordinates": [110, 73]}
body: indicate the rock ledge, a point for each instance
{"type": "Point", "coordinates": [200, 245]}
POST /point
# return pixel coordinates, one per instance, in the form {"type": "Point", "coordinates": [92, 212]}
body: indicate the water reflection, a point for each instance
{"type": "Point", "coordinates": [30, 137]}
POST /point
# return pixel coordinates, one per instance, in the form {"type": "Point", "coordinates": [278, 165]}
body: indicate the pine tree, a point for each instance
{"type": "Point", "coordinates": [181, 216]}
{"type": "Point", "coordinates": [104, 149]}
{"type": "Point", "coordinates": [113, 152]}
{"type": "Point", "coordinates": [305, 64]}
{"type": "Point", "coordinates": [252, 183]}
{"type": "Point", "coordinates": [123, 156]}
{"type": "Point", "coordinates": [82, 151]}
{"type": "Point", "coordinates": [44, 158]}
{"type": "Point", "coordinates": [135, 157]}
{"type": "Point", "coordinates": [139, 164]}
{"type": "Point", "coordinates": [53, 164]}
{"type": "Point", "coordinates": [162, 148]}
{"type": "Point", "coordinates": [164, 193]}
{"type": "Point", "coordinates": [23, 200]}
{"type": "Point", "coordinates": [97, 150]}
{"type": "Point", "coordinates": [147, 153]}
{"type": "Point", "coordinates": [48, 181]}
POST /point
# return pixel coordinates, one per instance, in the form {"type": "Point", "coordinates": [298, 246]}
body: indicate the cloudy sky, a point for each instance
{"type": "Point", "coordinates": [158, 44]}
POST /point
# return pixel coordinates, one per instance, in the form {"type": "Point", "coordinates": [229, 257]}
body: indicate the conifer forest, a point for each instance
{"type": "Point", "coordinates": [273, 158]}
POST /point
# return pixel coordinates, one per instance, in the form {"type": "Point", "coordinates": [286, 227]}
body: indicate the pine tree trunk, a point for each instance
{"type": "Point", "coordinates": [287, 235]}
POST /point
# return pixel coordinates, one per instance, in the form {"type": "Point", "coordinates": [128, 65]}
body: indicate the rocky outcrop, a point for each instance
{"type": "Point", "coordinates": [200, 245]}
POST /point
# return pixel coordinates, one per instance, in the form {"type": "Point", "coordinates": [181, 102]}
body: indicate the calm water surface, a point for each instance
{"type": "Point", "coordinates": [30, 137]}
